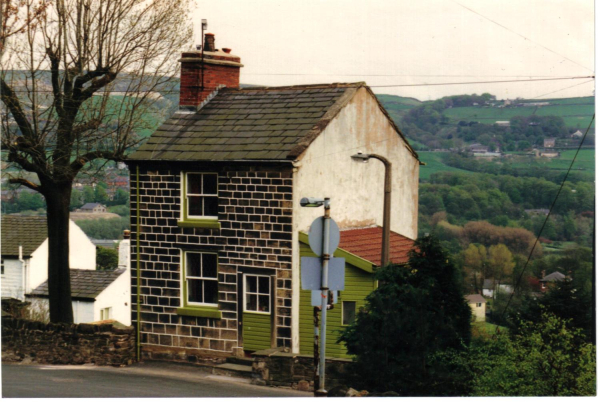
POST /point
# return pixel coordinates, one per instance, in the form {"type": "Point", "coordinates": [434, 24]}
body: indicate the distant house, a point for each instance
{"type": "Point", "coordinates": [477, 304]}
{"type": "Point", "coordinates": [25, 253]}
{"type": "Point", "coordinates": [537, 211]}
{"type": "Point", "coordinates": [92, 207]}
{"type": "Point", "coordinates": [478, 148]}
{"type": "Point", "coordinates": [550, 154]}
{"type": "Point", "coordinates": [96, 295]}
{"type": "Point", "coordinates": [502, 123]}
{"type": "Point", "coordinates": [577, 134]}
{"type": "Point", "coordinates": [549, 142]}
{"type": "Point", "coordinates": [491, 287]}
{"type": "Point", "coordinates": [548, 281]}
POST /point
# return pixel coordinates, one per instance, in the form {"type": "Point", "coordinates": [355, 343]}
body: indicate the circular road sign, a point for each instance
{"type": "Point", "coordinates": [315, 236]}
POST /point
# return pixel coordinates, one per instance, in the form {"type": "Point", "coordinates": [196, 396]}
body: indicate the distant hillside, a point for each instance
{"type": "Point", "coordinates": [576, 112]}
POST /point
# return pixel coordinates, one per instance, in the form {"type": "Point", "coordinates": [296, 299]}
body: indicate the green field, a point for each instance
{"type": "Point", "coordinates": [585, 162]}
{"type": "Point", "coordinates": [576, 112]}
{"type": "Point", "coordinates": [434, 164]}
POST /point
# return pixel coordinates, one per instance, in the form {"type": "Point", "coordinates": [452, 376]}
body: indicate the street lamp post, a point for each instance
{"type": "Point", "coordinates": [387, 201]}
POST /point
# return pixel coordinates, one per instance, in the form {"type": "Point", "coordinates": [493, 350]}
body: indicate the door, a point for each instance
{"type": "Point", "coordinates": [257, 322]}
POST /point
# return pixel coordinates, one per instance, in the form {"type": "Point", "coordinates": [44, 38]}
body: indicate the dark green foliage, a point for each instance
{"type": "Point", "coordinates": [571, 300]}
{"type": "Point", "coordinates": [547, 358]}
{"type": "Point", "coordinates": [106, 258]}
{"type": "Point", "coordinates": [417, 311]}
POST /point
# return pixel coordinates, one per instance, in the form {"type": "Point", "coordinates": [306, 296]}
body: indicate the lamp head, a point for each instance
{"type": "Point", "coordinates": [312, 202]}
{"type": "Point", "coordinates": [360, 157]}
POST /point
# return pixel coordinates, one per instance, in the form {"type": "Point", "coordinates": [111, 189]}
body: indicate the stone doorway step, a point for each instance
{"type": "Point", "coordinates": [235, 367]}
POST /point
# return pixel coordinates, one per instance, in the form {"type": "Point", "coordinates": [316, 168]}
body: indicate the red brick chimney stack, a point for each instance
{"type": "Point", "coordinates": [219, 68]}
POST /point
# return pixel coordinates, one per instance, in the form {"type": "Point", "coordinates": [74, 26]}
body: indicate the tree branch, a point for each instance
{"type": "Point", "coordinates": [26, 183]}
{"type": "Point", "coordinates": [80, 162]}
{"type": "Point", "coordinates": [83, 127]}
{"type": "Point", "coordinates": [10, 99]}
{"type": "Point", "coordinates": [96, 84]}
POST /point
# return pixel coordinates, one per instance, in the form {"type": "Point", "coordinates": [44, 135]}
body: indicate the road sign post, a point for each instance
{"type": "Point", "coordinates": [324, 293]}
{"type": "Point", "coordinates": [323, 238]}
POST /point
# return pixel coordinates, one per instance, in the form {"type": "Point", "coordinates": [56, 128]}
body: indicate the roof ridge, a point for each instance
{"type": "Point", "coordinates": [304, 86]}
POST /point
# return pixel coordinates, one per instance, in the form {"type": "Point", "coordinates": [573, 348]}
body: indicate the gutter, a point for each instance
{"type": "Point", "coordinates": [23, 267]}
{"type": "Point", "coordinates": [137, 270]}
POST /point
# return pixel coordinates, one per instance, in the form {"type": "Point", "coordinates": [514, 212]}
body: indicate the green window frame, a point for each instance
{"type": "Point", "coordinates": [200, 284]}
{"type": "Point", "coordinates": [199, 200]}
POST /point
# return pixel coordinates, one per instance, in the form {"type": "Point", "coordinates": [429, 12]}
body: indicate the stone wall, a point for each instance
{"type": "Point", "coordinates": [102, 345]}
{"type": "Point", "coordinates": [255, 215]}
{"type": "Point", "coordinates": [297, 371]}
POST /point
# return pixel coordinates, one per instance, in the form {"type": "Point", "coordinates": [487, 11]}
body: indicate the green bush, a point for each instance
{"type": "Point", "coordinates": [417, 311]}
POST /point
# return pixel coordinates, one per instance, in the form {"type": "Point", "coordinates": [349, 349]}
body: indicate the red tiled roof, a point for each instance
{"type": "Point", "coordinates": [366, 244]}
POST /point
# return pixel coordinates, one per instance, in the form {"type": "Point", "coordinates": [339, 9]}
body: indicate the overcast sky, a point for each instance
{"type": "Point", "coordinates": [403, 42]}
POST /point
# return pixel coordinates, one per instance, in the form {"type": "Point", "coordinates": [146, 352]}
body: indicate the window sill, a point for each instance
{"type": "Point", "coordinates": [209, 312]}
{"type": "Point", "coordinates": [200, 223]}
{"type": "Point", "coordinates": [257, 312]}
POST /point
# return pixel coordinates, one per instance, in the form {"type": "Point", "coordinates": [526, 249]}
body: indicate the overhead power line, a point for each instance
{"type": "Point", "coordinates": [483, 82]}
{"type": "Point", "coordinates": [425, 84]}
{"type": "Point", "coordinates": [522, 36]}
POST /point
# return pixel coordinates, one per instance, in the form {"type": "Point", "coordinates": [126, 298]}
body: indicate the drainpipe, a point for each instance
{"type": "Point", "coordinates": [23, 269]}
{"type": "Point", "coordinates": [137, 250]}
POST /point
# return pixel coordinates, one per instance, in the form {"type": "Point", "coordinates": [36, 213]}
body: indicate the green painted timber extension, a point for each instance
{"type": "Point", "coordinates": [359, 282]}
{"type": "Point", "coordinates": [256, 331]}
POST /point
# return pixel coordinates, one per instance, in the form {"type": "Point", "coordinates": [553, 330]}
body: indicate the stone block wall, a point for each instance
{"type": "Point", "coordinates": [255, 214]}
{"type": "Point", "coordinates": [297, 371]}
{"type": "Point", "coordinates": [67, 343]}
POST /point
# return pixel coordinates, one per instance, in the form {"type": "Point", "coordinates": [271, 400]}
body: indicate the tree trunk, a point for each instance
{"type": "Point", "coordinates": [59, 278]}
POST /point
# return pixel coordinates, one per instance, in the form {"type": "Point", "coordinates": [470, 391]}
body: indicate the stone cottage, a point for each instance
{"type": "Point", "coordinates": [215, 203]}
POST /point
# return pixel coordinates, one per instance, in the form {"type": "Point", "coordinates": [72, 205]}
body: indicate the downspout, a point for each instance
{"type": "Point", "coordinates": [23, 269]}
{"type": "Point", "coordinates": [137, 231]}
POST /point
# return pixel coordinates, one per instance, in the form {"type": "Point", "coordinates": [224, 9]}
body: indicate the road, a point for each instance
{"type": "Point", "coordinates": [143, 380]}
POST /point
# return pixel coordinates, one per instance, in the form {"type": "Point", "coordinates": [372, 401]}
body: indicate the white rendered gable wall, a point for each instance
{"type": "Point", "coordinates": [355, 188]}
{"type": "Point", "coordinates": [82, 255]}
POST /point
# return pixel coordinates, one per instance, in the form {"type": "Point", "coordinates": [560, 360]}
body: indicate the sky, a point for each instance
{"type": "Point", "coordinates": [389, 43]}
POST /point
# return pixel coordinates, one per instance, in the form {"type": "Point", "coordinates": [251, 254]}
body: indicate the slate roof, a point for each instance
{"type": "Point", "coordinates": [91, 205]}
{"type": "Point", "coordinates": [27, 231]}
{"type": "Point", "coordinates": [271, 123]}
{"type": "Point", "coordinates": [366, 244]}
{"type": "Point", "coordinates": [86, 284]}
{"type": "Point", "coordinates": [553, 277]}
{"type": "Point", "coordinates": [475, 298]}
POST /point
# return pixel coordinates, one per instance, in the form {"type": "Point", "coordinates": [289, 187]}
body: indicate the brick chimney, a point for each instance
{"type": "Point", "coordinates": [219, 68]}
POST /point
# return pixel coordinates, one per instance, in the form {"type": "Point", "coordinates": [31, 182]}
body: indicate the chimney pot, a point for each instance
{"type": "Point", "coordinates": [209, 42]}
{"type": "Point", "coordinates": [126, 234]}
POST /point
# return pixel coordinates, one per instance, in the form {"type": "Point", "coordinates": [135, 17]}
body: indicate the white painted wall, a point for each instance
{"type": "Point", "coordinates": [356, 189]}
{"type": "Point", "coordinates": [118, 296]}
{"type": "Point", "coordinates": [12, 280]}
{"type": "Point", "coordinates": [83, 311]}
{"type": "Point", "coordinates": [82, 255]}
{"type": "Point", "coordinates": [478, 312]}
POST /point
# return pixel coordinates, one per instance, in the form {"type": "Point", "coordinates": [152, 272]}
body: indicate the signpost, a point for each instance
{"type": "Point", "coordinates": [323, 238]}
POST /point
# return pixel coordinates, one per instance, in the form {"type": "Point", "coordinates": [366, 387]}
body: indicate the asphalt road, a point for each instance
{"type": "Point", "coordinates": [143, 380]}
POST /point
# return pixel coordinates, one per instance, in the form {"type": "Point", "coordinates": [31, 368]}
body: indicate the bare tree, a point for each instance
{"type": "Point", "coordinates": [78, 81]}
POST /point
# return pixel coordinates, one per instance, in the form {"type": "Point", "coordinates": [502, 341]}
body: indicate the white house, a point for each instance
{"type": "Point", "coordinates": [96, 295]}
{"type": "Point", "coordinates": [490, 287]}
{"type": "Point", "coordinates": [477, 304]}
{"type": "Point", "coordinates": [25, 253]}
